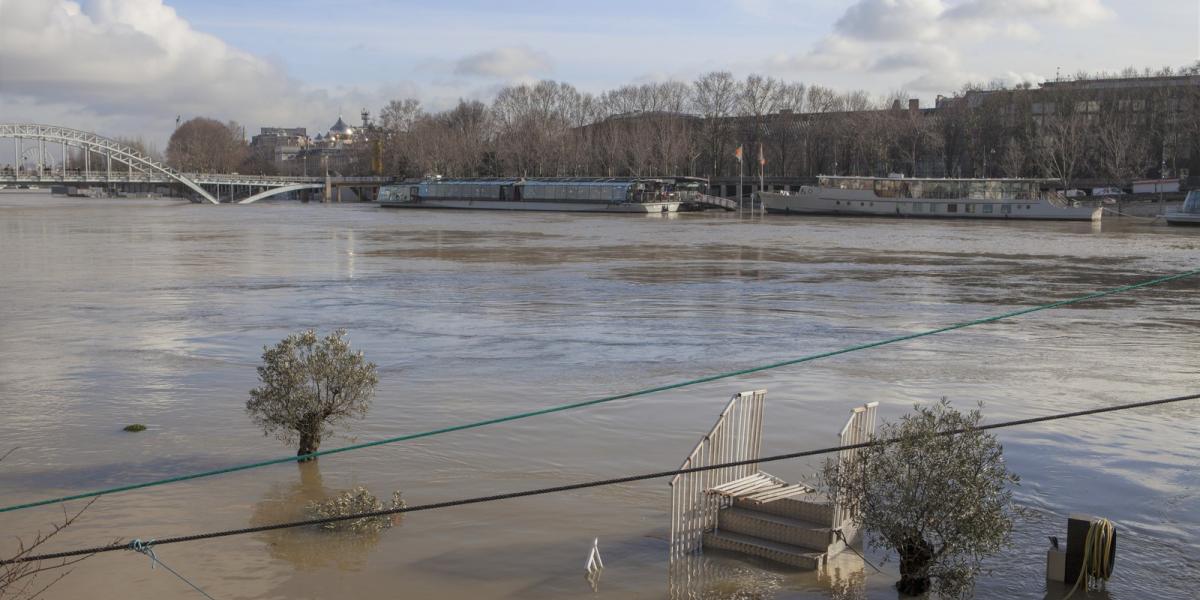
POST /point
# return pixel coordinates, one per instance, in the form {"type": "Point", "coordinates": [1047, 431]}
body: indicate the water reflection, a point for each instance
{"type": "Point", "coordinates": [719, 575]}
{"type": "Point", "coordinates": [846, 576]}
{"type": "Point", "coordinates": [115, 311]}
{"type": "Point", "coordinates": [309, 548]}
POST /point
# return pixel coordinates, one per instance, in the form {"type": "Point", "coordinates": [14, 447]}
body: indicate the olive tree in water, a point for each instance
{"type": "Point", "coordinates": [941, 501]}
{"type": "Point", "coordinates": [309, 385]}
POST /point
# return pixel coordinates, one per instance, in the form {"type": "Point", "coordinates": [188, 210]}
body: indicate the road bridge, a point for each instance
{"type": "Point", "coordinates": [142, 169]}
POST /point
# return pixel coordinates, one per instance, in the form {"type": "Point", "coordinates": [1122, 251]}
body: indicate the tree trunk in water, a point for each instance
{"type": "Point", "coordinates": [915, 556]}
{"type": "Point", "coordinates": [310, 441]}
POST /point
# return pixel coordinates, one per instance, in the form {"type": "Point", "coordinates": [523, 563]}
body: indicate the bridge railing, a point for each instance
{"type": "Point", "coordinates": [73, 176]}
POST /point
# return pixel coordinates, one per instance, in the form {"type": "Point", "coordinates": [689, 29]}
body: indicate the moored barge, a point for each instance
{"type": "Point", "coordinates": [929, 198]}
{"type": "Point", "coordinates": [576, 194]}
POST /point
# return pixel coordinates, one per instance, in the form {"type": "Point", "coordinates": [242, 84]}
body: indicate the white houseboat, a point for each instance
{"type": "Point", "coordinates": [928, 198]}
{"type": "Point", "coordinates": [591, 194]}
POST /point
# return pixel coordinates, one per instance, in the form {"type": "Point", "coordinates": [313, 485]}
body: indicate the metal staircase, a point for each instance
{"type": "Point", "coordinates": [744, 510]}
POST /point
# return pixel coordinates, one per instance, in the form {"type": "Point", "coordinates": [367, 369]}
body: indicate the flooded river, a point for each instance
{"type": "Point", "coordinates": [155, 311]}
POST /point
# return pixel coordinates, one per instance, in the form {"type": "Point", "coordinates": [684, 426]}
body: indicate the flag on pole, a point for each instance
{"type": "Point", "coordinates": [738, 154]}
{"type": "Point", "coordinates": [761, 159]}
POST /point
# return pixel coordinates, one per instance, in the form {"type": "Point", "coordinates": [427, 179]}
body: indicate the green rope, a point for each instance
{"type": "Point", "coordinates": [643, 392]}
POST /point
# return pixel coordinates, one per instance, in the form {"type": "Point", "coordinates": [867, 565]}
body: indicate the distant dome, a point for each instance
{"type": "Point", "coordinates": [341, 128]}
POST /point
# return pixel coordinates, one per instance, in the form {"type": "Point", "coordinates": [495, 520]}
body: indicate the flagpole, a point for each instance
{"type": "Point", "coordinates": [762, 164]}
{"type": "Point", "coordinates": [741, 169]}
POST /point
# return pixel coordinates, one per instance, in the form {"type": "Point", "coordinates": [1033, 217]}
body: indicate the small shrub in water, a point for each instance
{"type": "Point", "coordinates": [136, 427]}
{"type": "Point", "coordinates": [357, 500]}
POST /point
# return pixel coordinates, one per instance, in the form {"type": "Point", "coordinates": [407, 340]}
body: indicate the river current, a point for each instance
{"type": "Point", "coordinates": [117, 311]}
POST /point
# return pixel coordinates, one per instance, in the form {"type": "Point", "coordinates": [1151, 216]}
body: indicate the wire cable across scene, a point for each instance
{"type": "Point", "coordinates": [584, 485]}
{"type": "Point", "coordinates": [585, 403]}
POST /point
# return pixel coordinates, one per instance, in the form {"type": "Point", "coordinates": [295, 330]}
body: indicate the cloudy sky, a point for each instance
{"type": "Point", "coordinates": [128, 67]}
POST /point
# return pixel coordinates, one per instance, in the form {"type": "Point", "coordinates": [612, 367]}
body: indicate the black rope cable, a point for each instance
{"type": "Point", "coordinates": [582, 485]}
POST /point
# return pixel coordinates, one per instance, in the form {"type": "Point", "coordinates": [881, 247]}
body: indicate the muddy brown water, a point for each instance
{"type": "Point", "coordinates": [156, 311]}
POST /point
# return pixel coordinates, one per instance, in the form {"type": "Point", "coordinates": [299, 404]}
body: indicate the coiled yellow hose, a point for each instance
{"type": "Point", "coordinates": [1098, 550]}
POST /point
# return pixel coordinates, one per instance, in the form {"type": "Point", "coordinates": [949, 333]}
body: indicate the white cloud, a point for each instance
{"type": "Point", "coordinates": [883, 20]}
{"type": "Point", "coordinates": [920, 56]}
{"type": "Point", "coordinates": [830, 53]}
{"type": "Point", "coordinates": [507, 62]}
{"type": "Point", "coordinates": [933, 36]}
{"type": "Point", "coordinates": [128, 67]}
{"type": "Point", "coordinates": [1066, 12]}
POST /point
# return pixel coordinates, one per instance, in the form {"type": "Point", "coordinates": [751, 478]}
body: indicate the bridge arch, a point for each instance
{"type": "Point", "coordinates": [100, 145]}
{"type": "Point", "coordinates": [280, 190]}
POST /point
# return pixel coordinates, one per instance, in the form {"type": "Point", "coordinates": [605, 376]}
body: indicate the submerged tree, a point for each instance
{"type": "Point", "coordinates": [941, 501]}
{"type": "Point", "coordinates": [309, 385]}
{"type": "Point", "coordinates": [24, 580]}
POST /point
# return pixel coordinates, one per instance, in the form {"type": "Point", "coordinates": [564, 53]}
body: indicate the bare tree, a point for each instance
{"type": "Point", "coordinates": [715, 97]}
{"type": "Point", "coordinates": [1012, 160]}
{"type": "Point", "coordinates": [916, 137]}
{"type": "Point", "coordinates": [206, 145]}
{"type": "Point", "coordinates": [309, 385]}
{"type": "Point", "coordinates": [25, 580]}
{"type": "Point", "coordinates": [1062, 143]}
{"type": "Point", "coordinates": [1122, 149]}
{"type": "Point", "coordinates": [396, 122]}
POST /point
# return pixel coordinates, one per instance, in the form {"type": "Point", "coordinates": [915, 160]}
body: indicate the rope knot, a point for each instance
{"type": "Point", "coordinates": [137, 545]}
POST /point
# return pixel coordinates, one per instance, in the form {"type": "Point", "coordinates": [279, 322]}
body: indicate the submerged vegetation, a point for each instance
{"type": "Point", "coordinates": [940, 500]}
{"type": "Point", "coordinates": [348, 502]}
{"type": "Point", "coordinates": [309, 385]}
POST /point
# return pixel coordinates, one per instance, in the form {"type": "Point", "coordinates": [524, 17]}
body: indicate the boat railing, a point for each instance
{"type": "Point", "coordinates": [1057, 199]}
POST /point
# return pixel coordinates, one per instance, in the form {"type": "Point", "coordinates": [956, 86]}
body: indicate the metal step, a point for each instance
{"type": "Point", "coordinates": [813, 508]}
{"type": "Point", "coordinates": [775, 551]}
{"type": "Point", "coordinates": [775, 528]}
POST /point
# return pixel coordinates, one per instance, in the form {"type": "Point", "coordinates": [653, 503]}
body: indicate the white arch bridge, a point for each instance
{"type": "Point", "coordinates": [135, 167]}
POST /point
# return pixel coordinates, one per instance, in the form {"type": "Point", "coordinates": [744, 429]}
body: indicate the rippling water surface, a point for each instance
{"type": "Point", "coordinates": [121, 311]}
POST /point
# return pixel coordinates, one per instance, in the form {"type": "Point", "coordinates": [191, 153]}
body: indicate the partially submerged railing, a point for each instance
{"type": "Point", "coordinates": [706, 200]}
{"type": "Point", "coordinates": [736, 436]}
{"type": "Point", "coordinates": [860, 428]}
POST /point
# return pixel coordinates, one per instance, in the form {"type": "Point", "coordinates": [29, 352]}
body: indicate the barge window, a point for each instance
{"type": "Point", "coordinates": [952, 208]}
{"type": "Point", "coordinates": [987, 209]}
{"type": "Point", "coordinates": [886, 188]}
{"type": "Point", "coordinates": [969, 207]}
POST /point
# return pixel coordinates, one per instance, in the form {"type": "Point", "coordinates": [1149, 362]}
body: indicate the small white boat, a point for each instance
{"type": "Point", "coordinates": [929, 198]}
{"type": "Point", "coordinates": [1189, 213]}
